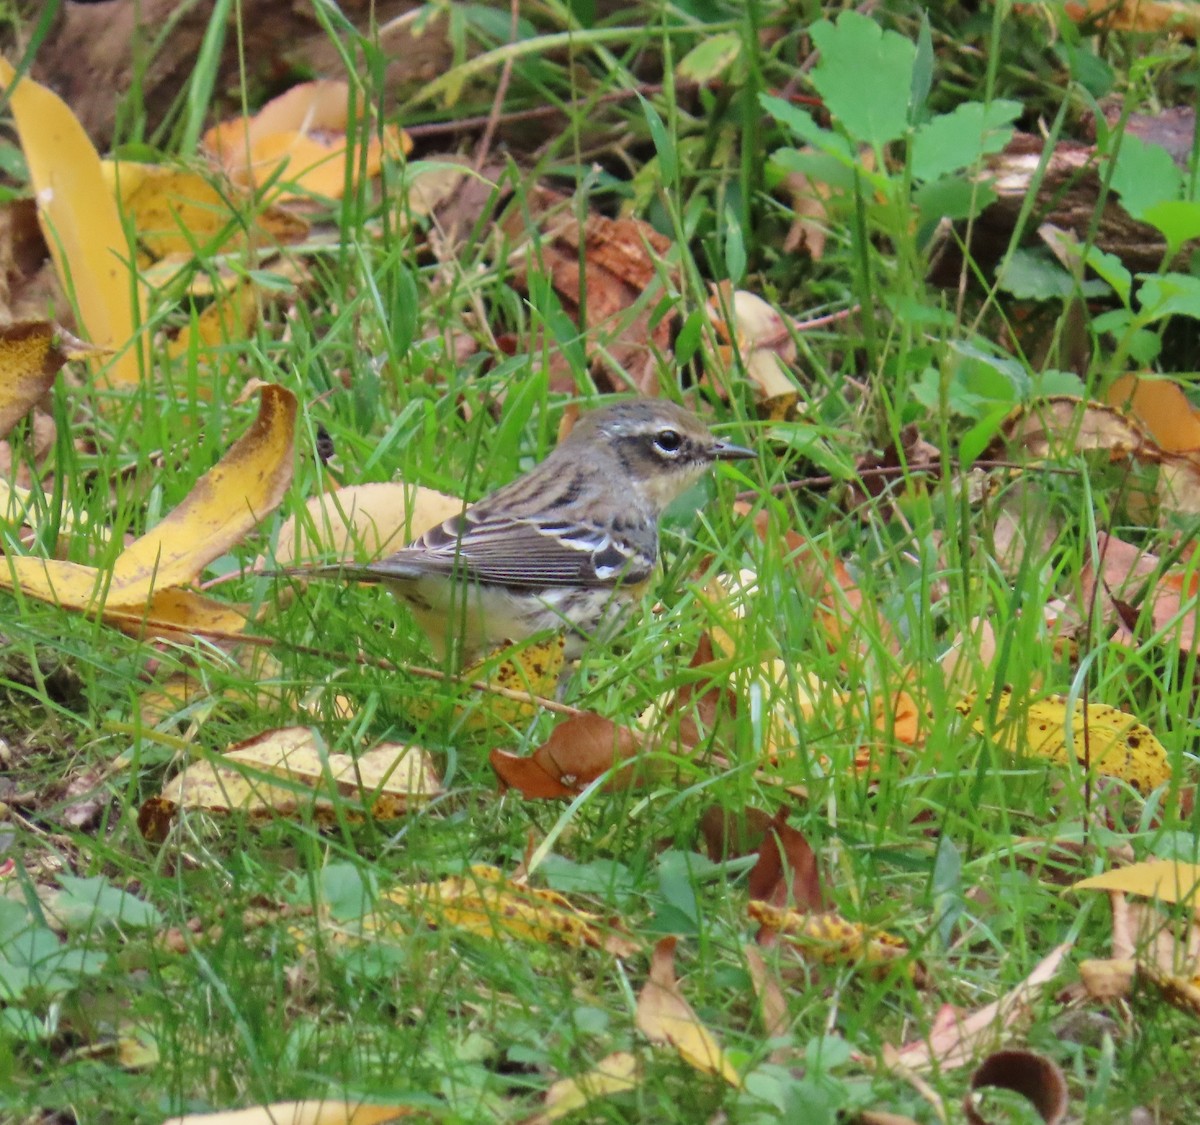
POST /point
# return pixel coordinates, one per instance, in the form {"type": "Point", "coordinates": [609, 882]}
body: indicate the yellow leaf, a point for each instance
{"type": "Point", "coordinates": [178, 211]}
{"type": "Point", "coordinates": [616, 1074]}
{"type": "Point", "coordinates": [223, 506]}
{"type": "Point", "coordinates": [664, 1016]}
{"type": "Point", "coordinates": [384, 782]}
{"type": "Point", "coordinates": [299, 1113]}
{"type": "Point", "coordinates": [301, 137]}
{"type": "Point", "coordinates": [80, 221]}
{"type": "Point", "coordinates": [228, 318]}
{"type": "Point", "coordinates": [486, 902]}
{"type": "Point", "coordinates": [831, 939]}
{"type": "Point", "coordinates": [361, 521]}
{"type": "Point", "coordinates": [31, 353]}
{"type": "Point", "coordinates": [1167, 880]}
{"type": "Point", "coordinates": [1119, 745]}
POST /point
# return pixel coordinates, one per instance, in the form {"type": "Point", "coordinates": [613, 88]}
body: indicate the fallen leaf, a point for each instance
{"type": "Point", "coordinates": [830, 939]}
{"type": "Point", "coordinates": [300, 138]}
{"type": "Point", "coordinates": [82, 227]}
{"type": "Point", "coordinates": [177, 211]}
{"type": "Point", "coordinates": [609, 276]}
{"type": "Point", "coordinates": [384, 782]}
{"type": "Point", "coordinates": [1126, 571]}
{"type": "Point", "coordinates": [579, 750]}
{"type": "Point", "coordinates": [615, 1074]}
{"type": "Point", "coordinates": [1166, 880]}
{"type": "Point", "coordinates": [1161, 407]}
{"type": "Point", "coordinates": [223, 506]}
{"type": "Point", "coordinates": [664, 1016]}
{"type": "Point", "coordinates": [786, 863]}
{"type": "Point", "coordinates": [300, 1113]}
{"type": "Point", "coordinates": [31, 354]}
{"type": "Point", "coordinates": [956, 1040]}
{"type": "Point", "coordinates": [1118, 744]}
{"type": "Point", "coordinates": [1179, 16]}
{"type": "Point", "coordinates": [486, 902]}
{"type": "Point", "coordinates": [361, 521]}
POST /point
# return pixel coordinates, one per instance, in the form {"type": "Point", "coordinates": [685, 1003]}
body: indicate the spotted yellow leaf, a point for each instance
{"type": "Point", "coordinates": [1113, 742]}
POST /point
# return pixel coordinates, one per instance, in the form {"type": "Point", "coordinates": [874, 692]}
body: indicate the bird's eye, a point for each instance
{"type": "Point", "coordinates": [668, 441]}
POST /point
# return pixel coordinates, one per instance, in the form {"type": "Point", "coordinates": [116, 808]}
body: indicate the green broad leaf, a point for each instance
{"type": "Point", "coordinates": [1033, 275]}
{"type": "Point", "coordinates": [735, 248]}
{"type": "Point", "coordinates": [1048, 383]}
{"type": "Point", "coordinates": [980, 436]}
{"type": "Point", "coordinates": [821, 167]}
{"type": "Point", "coordinates": [1168, 294]}
{"type": "Point", "coordinates": [952, 197]}
{"type": "Point", "coordinates": [668, 165]}
{"type": "Point", "coordinates": [85, 904]}
{"type": "Point", "coordinates": [1143, 346]}
{"type": "Point", "coordinates": [1144, 175]}
{"type": "Point", "coordinates": [710, 58]}
{"type": "Point", "coordinates": [687, 343]}
{"type": "Point", "coordinates": [922, 75]}
{"type": "Point", "coordinates": [958, 140]}
{"type": "Point", "coordinates": [1177, 219]}
{"type": "Point", "coordinates": [864, 76]}
{"type": "Point", "coordinates": [800, 122]}
{"type": "Point", "coordinates": [1112, 270]}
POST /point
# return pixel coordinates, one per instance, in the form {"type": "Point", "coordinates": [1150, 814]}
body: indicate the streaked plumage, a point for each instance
{"type": "Point", "coordinates": [569, 544]}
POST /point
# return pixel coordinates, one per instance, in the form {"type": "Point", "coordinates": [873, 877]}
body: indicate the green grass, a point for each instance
{"type": "Point", "coordinates": [949, 844]}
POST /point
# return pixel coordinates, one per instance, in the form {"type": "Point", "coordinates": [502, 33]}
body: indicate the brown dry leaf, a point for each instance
{"type": "Point", "coordinates": [1067, 424]}
{"type": "Point", "coordinates": [787, 869]}
{"type": "Point", "coordinates": [702, 707]}
{"type": "Point", "coordinates": [301, 1113]}
{"type": "Point", "coordinates": [762, 337]}
{"type": "Point", "coordinates": [1163, 879]}
{"type": "Point", "coordinates": [223, 506]}
{"type": "Point", "coordinates": [956, 1040]}
{"type": "Point", "coordinates": [383, 783]}
{"type": "Point", "coordinates": [664, 1016]}
{"type": "Point", "coordinates": [486, 902]}
{"type": "Point", "coordinates": [1124, 570]}
{"type": "Point", "coordinates": [80, 221]}
{"type": "Point", "coordinates": [362, 521]}
{"type": "Point", "coordinates": [31, 354]}
{"type": "Point", "coordinates": [181, 213]}
{"type": "Point", "coordinates": [615, 1074]}
{"type": "Point", "coordinates": [615, 285]}
{"type": "Point", "coordinates": [1178, 16]}
{"type": "Point", "coordinates": [579, 750]}
{"type": "Point", "coordinates": [1118, 745]}
{"type": "Point", "coordinates": [1027, 1073]}
{"type": "Point", "coordinates": [810, 201]}
{"type": "Point", "coordinates": [301, 136]}
{"type": "Point", "coordinates": [1108, 979]}
{"type": "Point", "coordinates": [829, 938]}
{"type": "Point", "coordinates": [772, 1004]}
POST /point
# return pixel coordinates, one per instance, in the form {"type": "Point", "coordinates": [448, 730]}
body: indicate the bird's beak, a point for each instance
{"type": "Point", "coordinates": [726, 451]}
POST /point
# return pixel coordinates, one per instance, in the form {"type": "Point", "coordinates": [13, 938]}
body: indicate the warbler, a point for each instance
{"type": "Point", "coordinates": [570, 545]}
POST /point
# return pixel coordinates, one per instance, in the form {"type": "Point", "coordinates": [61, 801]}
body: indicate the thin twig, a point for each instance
{"type": "Point", "coordinates": [883, 472]}
{"type": "Point", "coordinates": [489, 130]}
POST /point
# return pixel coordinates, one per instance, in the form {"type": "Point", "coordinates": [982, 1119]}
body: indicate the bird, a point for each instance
{"type": "Point", "coordinates": [567, 547]}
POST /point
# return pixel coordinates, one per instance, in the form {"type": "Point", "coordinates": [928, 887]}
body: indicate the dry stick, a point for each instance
{"type": "Point", "coordinates": [885, 471]}
{"type": "Point", "coordinates": [493, 118]}
{"type": "Point", "coordinates": [469, 124]}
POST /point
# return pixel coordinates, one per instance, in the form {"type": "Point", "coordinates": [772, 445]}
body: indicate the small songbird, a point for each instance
{"type": "Point", "coordinates": [568, 546]}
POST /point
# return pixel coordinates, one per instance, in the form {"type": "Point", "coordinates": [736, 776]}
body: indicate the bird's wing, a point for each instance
{"type": "Point", "coordinates": [522, 553]}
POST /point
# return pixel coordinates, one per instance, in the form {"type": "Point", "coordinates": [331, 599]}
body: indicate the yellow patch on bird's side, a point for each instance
{"type": "Point", "coordinates": [1108, 740]}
